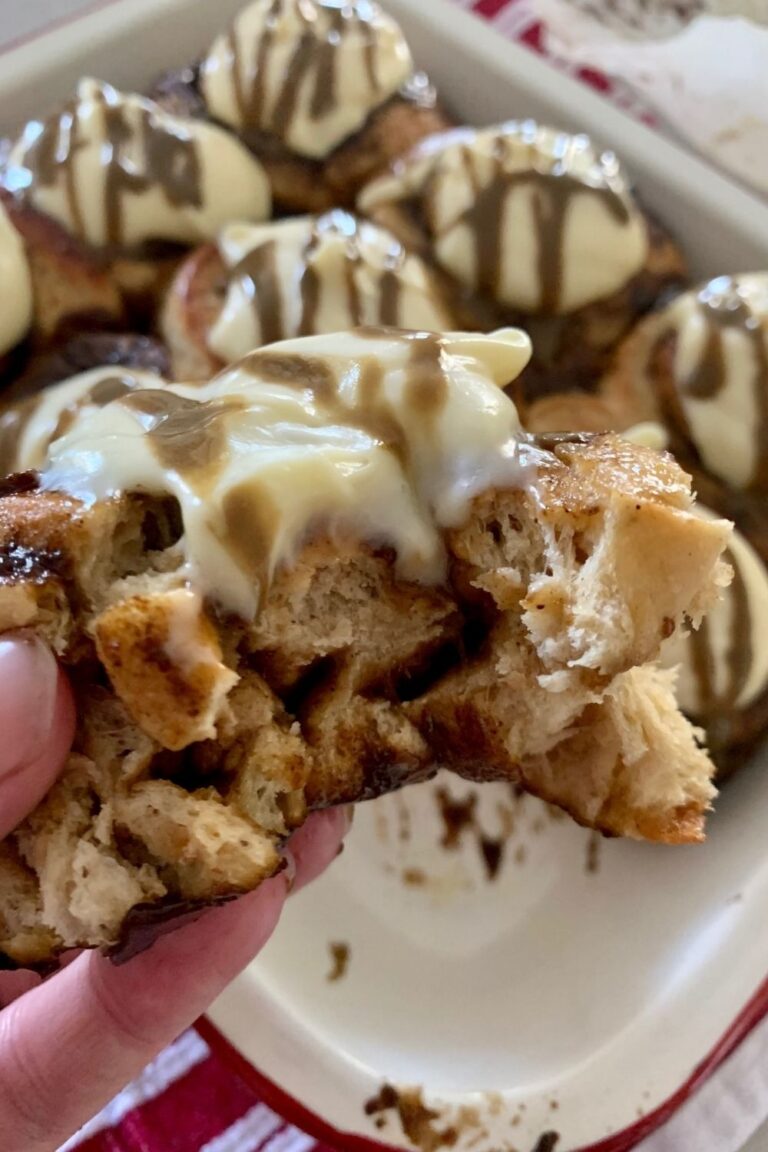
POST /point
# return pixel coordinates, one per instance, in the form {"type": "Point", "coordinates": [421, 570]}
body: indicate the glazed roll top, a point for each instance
{"type": "Point", "coordinates": [115, 170]}
{"type": "Point", "coordinates": [724, 664]}
{"type": "Point", "coordinates": [308, 72]}
{"type": "Point", "coordinates": [536, 218]}
{"type": "Point", "coordinates": [319, 274]}
{"type": "Point", "coordinates": [385, 433]}
{"type": "Point", "coordinates": [715, 392]}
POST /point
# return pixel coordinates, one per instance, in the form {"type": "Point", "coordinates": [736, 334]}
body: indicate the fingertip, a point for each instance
{"type": "Point", "coordinates": [317, 844]}
{"type": "Point", "coordinates": [95, 1025]}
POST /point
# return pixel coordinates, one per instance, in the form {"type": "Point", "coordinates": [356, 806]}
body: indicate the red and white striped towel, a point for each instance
{"type": "Point", "coordinates": [189, 1100]}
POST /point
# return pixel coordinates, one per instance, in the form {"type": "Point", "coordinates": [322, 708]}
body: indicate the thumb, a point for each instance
{"type": "Point", "coordinates": [37, 720]}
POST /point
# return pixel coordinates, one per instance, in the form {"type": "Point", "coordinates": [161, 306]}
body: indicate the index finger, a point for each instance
{"type": "Point", "coordinates": [69, 1045]}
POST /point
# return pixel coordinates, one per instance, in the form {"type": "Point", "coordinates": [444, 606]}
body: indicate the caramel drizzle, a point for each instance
{"type": "Point", "coordinates": [553, 193]}
{"type": "Point", "coordinates": [251, 525]}
{"type": "Point", "coordinates": [170, 160]}
{"type": "Point", "coordinates": [311, 61]}
{"type": "Point", "coordinates": [258, 275]}
{"type": "Point", "coordinates": [189, 436]}
{"type": "Point", "coordinates": [55, 149]}
{"type": "Point", "coordinates": [425, 389]}
{"type": "Point", "coordinates": [716, 708]}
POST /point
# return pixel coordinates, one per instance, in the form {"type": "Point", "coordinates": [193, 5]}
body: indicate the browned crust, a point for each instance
{"type": "Point", "coordinates": [318, 719]}
{"type": "Point", "coordinates": [302, 184]}
{"type": "Point", "coordinates": [624, 401]}
{"type": "Point", "coordinates": [170, 701]}
{"type": "Point", "coordinates": [569, 411]}
{"type": "Point", "coordinates": [391, 131]}
{"type": "Point", "coordinates": [78, 287]}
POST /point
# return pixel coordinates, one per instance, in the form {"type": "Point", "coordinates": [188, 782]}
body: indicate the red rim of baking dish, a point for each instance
{"type": "Point", "coordinates": [296, 1113]}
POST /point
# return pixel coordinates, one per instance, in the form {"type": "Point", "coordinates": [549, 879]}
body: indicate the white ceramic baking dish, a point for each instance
{"type": "Point", "coordinates": [555, 1000]}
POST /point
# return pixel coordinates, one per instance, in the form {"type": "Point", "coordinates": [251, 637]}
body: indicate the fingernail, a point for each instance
{"type": "Point", "coordinates": [289, 871]}
{"type": "Point", "coordinates": [28, 688]}
{"type": "Point", "coordinates": [349, 816]}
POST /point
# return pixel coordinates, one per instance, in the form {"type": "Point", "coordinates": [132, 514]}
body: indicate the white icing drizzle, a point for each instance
{"type": "Point", "coordinates": [309, 72]}
{"type": "Point", "coordinates": [384, 433]}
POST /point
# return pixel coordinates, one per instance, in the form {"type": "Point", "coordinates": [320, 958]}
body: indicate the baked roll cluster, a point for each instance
{"type": "Point", "coordinates": [275, 324]}
{"type": "Point", "coordinates": [334, 567]}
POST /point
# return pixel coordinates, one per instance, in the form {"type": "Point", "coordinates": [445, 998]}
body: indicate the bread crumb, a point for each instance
{"type": "Point", "coordinates": [340, 953]}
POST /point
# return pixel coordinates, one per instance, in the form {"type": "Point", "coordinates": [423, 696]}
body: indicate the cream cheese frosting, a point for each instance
{"type": "Point", "coordinates": [724, 665]}
{"type": "Point", "coordinates": [116, 170]}
{"type": "Point", "coordinates": [319, 274]}
{"type": "Point", "coordinates": [382, 432]}
{"type": "Point", "coordinates": [720, 375]}
{"type": "Point", "coordinates": [16, 281]}
{"type": "Point", "coordinates": [535, 217]}
{"type": "Point", "coordinates": [309, 72]}
{"type": "Point", "coordinates": [29, 428]}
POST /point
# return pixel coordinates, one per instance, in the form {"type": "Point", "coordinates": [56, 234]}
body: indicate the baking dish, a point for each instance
{"type": "Point", "coordinates": [555, 1001]}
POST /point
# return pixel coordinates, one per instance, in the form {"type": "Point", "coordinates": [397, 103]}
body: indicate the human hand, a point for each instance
{"type": "Point", "coordinates": [70, 1043]}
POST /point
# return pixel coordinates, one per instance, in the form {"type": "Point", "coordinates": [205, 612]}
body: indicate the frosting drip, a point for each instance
{"type": "Point", "coordinates": [533, 216]}
{"type": "Point", "coordinates": [309, 72]}
{"type": "Point", "coordinates": [116, 170]}
{"type": "Point", "coordinates": [319, 274]}
{"type": "Point", "coordinates": [381, 432]}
